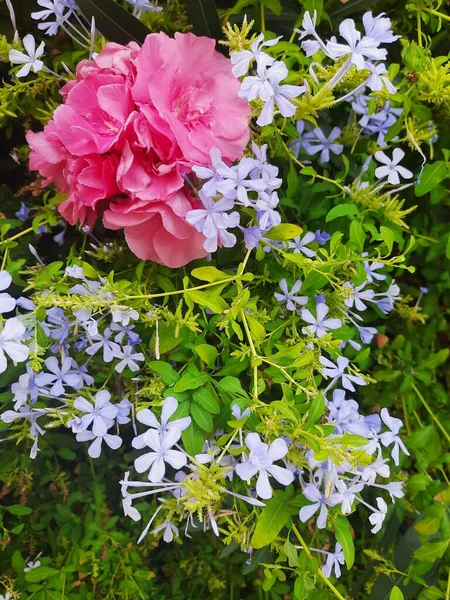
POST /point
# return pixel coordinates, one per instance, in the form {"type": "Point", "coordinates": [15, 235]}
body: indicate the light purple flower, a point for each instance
{"type": "Point", "coordinates": [7, 302]}
{"type": "Point", "coordinates": [358, 49]}
{"type": "Point", "coordinates": [318, 142]}
{"type": "Point", "coordinates": [299, 244]}
{"type": "Point", "coordinates": [290, 296]}
{"type": "Point", "coordinates": [319, 325]}
{"type": "Point", "coordinates": [260, 460]}
{"type": "Point", "coordinates": [161, 454]}
{"type": "Point", "coordinates": [336, 372]}
{"type": "Point", "coordinates": [334, 561]}
{"type": "Point", "coordinates": [128, 359]}
{"type": "Point", "coordinates": [59, 376]}
{"type": "Point", "coordinates": [147, 417]}
{"type": "Point", "coordinates": [320, 502]}
{"type": "Point", "coordinates": [391, 169]}
{"type": "Point", "coordinates": [101, 414]}
{"type": "Point", "coordinates": [391, 437]}
{"type": "Point", "coordinates": [95, 449]}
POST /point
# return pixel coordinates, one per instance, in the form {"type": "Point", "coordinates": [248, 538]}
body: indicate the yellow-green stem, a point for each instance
{"type": "Point", "coordinates": [319, 572]}
{"type": "Point", "coordinates": [432, 415]}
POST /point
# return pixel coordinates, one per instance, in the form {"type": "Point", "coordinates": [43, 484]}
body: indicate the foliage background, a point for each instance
{"type": "Point", "coordinates": [69, 509]}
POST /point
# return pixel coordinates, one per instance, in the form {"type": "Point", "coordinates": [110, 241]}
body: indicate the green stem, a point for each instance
{"type": "Point", "coordinates": [263, 17]}
{"type": "Point", "coordinates": [174, 293]}
{"type": "Point", "coordinates": [254, 354]}
{"type": "Point", "coordinates": [319, 572]}
{"type": "Point", "coordinates": [15, 237]}
{"type": "Point", "coordinates": [436, 13]}
{"type": "Point", "coordinates": [432, 415]}
{"type": "Point", "coordinates": [419, 28]}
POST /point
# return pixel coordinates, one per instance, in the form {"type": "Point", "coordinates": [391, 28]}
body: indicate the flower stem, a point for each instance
{"type": "Point", "coordinates": [319, 572]}
{"type": "Point", "coordinates": [15, 237]}
{"type": "Point", "coordinates": [436, 13]}
{"type": "Point", "coordinates": [432, 415]}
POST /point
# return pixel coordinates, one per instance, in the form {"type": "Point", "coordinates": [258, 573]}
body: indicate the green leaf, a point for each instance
{"type": "Point", "coordinates": [388, 237]}
{"type": "Point", "coordinates": [272, 519]}
{"type": "Point", "coordinates": [165, 371]}
{"type": "Point", "coordinates": [432, 175]}
{"type": "Point", "coordinates": [396, 594]}
{"type": "Point", "coordinates": [206, 399]}
{"type": "Point", "coordinates": [206, 299]}
{"type": "Point", "coordinates": [344, 537]}
{"type": "Point", "coordinates": [394, 129]}
{"type": "Point", "coordinates": [204, 19]}
{"type": "Point", "coordinates": [431, 551]}
{"type": "Point", "coordinates": [166, 338]}
{"type": "Point", "coordinates": [342, 210]}
{"type": "Point", "coordinates": [315, 410]}
{"type": "Point", "coordinates": [209, 274]}
{"type": "Point", "coordinates": [313, 281]}
{"type": "Point", "coordinates": [193, 439]}
{"type": "Point", "coordinates": [357, 235]}
{"type": "Point", "coordinates": [114, 22]}
{"type": "Point", "coordinates": [232, 385]}
{"type": "Point", "coordinates": [17, 509]}
{"type": "Point", "coordinates": [257, 330]}
{"type": "Point", "coordinates": [284, 231]}
{"type": "Point", "coordinates": [202, 417]}
{"type": "Point", "coordinates": [191, 380]}
{"type": "Point", "coordinates": [435, 359]}
{"type": "Point", "coordinates": [207, 353]}
{"type": "Point", "coordinates": [40, 574]}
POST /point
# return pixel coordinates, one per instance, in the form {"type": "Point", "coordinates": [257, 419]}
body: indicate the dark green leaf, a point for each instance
{"type": "Point", "coordinates": [432, 175]}
{"type": "Point", "coordinates": [344, 537]}
{"type": "Point", "coordinates": [272, 519]}
{"type": "Point", "coordinates": [114, 22]}
{"type": "Point", "coordinates": [201, 417]}
{"type": "Point", "coordinates": [205, 20]}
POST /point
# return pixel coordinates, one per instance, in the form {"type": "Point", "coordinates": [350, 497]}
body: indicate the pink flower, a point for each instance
{"type": "Point", "coordinates": [158, 230]}
{"type": "Point", "coordinates": [131, 126]}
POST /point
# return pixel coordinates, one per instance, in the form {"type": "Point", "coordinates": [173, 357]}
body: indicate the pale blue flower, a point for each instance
{"type": "Point", "coordinates": [319, 325]}
{"type": "Point", "coordinates": [260, 461]}
{"type": "Point", "coordinates": [299, 244]}
{"type": "Point", "coordinates": [318, 142]}
{"type": "Point", "coordinates": [290, 296]}
{"type": "Point", "coordinates": [100, 415]}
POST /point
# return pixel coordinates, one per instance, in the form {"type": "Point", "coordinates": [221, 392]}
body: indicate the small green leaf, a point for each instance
{"type": "Point", "coordinates": [209, 274]}
{"type": "Point", "coordinates": [191, 380]}
{"type": "Point", "coordinates": [396, 594]}
{"type": "Point", "coordinates": [202, 417]}
{"type": "Point", "coordinates": [342, 210]}
{"type": "Point", "coordinates": [357, 235]}
{"type": "Point", "coordinates": [232, 385]}
{"type": "Point", "coordinates": [344, 537]}
{"type": "Point", "coordinates": [207, 353]}
{"type": "Point", "coordinates": [17, 509]}
{"type": "Point", "coordinates": [165, 371]}
{"type": "Point", "coordinates": [271, 520]}
{"type": "Point", "coordinates": [388, 237]}
{"type": "Point", "coordinates": [315, 410]}
{"type": "Point", "coordinates": [40, 574]}
{"type": "Point", "coordinates": [284, 231]}
{"type": "Point", "coordinates": [432, 174]}
{"type": "Point", "coordinates": [206, 399]}
{"type": "Point", "coordinates": [432, 551]}
{"type": "Point", "coordinates": [207, 299]}
{"type": "Point", "coordinates": [193, 439]}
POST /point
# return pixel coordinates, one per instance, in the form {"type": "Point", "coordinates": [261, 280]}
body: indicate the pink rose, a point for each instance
{"type": "Point", "coordinates": [131, 126]}
{"type": "Point", "coordinates": [158, 230]}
